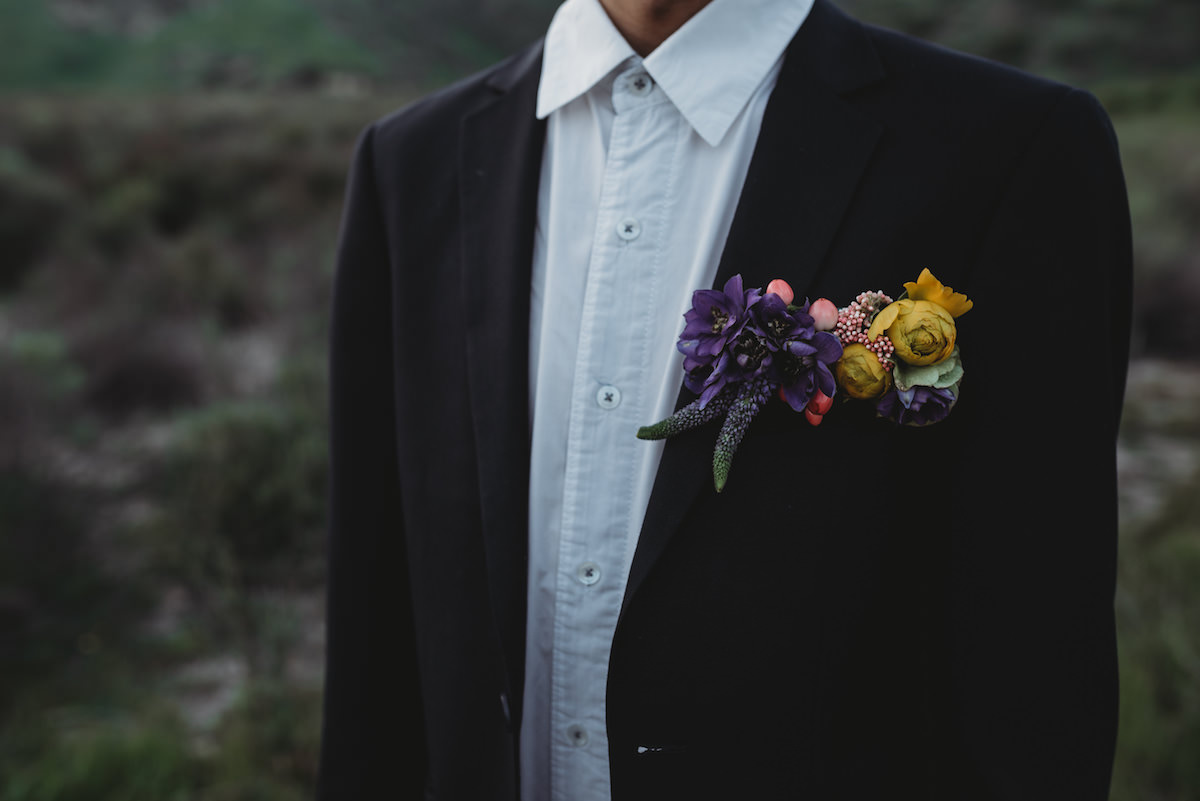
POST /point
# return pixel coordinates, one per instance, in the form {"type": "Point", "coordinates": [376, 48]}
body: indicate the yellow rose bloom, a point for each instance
{"type": "Point", "coordinates": [860, 374]}
{"type": "Point", "coordinates": [922, 331]}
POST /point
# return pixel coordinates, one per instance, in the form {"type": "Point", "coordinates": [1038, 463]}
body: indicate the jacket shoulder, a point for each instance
{"type": "Point", "coordinates": [942, 68]}
{"type": "Point", "coordinates": [938, 89]}
{"type": "Point", "coordinates": [432, 122]}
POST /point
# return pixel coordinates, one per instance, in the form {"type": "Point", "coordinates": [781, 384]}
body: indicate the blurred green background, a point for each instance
{"type": "Point", "coordinates": [170, 184]}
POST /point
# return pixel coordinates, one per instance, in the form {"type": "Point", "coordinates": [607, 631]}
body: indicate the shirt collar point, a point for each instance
{"type": "Point", "coordinates": [581, 47]}
{"type": "Point", "coordinates": [712, 129]}
{"type": "Point", "coordinates": [545, 107]}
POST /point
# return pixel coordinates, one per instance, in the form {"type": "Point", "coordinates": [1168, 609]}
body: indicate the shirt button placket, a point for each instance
{"type": "Point", "coordinates": [577, 735]}
{"type": "Point", "coordinates": [588, 573]}
{"type": "Point", "coordinates": [608, 397]}
{"type": "Point", "coordinates": [629, 229]}
{"type": "Point", "coordinates": [639, 84]}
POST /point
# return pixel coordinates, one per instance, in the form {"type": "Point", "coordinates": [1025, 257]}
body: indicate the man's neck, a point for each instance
{"type": "Point", "coordinates": [646, 24]}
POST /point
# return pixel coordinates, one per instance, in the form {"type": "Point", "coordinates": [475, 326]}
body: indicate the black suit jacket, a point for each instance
{"type": "Point", "coordinates": [866, 611]}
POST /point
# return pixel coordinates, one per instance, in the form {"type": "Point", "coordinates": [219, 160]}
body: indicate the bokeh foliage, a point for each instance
{"type": "Point", "coordinates": [162, 413]}
{"type": "Point", "coordinates": [189, 43]}
{"type": "Point", "coordinates": [199, 44]}
{"type": "Point", "coordinates": [170, 186]}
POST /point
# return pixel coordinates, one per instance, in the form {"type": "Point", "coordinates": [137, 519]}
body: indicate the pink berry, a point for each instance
{"type": "Point", "coordinates": [782, 289]}
{"type": "Point", "coordinates": [824, 314]}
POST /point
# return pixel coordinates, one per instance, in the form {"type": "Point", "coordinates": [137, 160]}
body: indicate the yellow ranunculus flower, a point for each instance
{"type": "Point", "coordinates": [922, 331]}
{"type": "Point", "coordinates": [860, 374]}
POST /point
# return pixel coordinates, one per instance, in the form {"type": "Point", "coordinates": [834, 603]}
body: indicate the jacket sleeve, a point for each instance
{"type": "Point", "coordinates": [373, 731]}
{"type": "Point", "coordinates": [1032, 647]}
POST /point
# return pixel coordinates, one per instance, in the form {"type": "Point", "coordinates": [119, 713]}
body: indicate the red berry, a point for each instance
{"type": "Point", "coordinates": [820, 403]}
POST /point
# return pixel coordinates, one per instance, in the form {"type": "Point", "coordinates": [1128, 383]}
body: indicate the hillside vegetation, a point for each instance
{"type": "Point", "coordinates": [189, 43]}
{"type": "Point", "coordinates": [171, 174]}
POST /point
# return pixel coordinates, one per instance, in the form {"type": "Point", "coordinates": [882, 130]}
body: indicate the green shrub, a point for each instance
{"type": "Point", "coordinates": [37, 50]}
{"type": "Point", "coordinates": [240, 499]}
{"type": "Point", "coordinates": [98, 759]}
{"type": "Point", "coordinates": [250, 476]}
{"type": "Point", "coordinates": [241, 43]}
{"type": "Point", "coordinates": [53, 590]}
{"type": "Point", "coordinates": [44, 360]}
{"type": "Point", "coordinates": [1158, 615]}
{"type": "Point", "coordinates": [1162, 171]}
{"type": "Point", "coordinates": [268, 744]}
{"type": "Point", "coordinates": [33, 206]}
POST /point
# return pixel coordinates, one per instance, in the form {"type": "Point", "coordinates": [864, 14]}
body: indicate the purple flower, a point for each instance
{"type": "Point", "coordinates": [779, 323]}
{"type": "Point", "coordinates": [716, 319]}
{"type": "Point", "coordinates": [804, 368]}
{"type": "Point", "coordinates": [918, 406]}
{"type": "Point", "coordinates": [800, 356]}
{"type": "Point", "coordinates": [752, 353]}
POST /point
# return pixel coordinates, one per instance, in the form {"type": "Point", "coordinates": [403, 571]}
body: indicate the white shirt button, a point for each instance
{"type": "Point", "coordinates": [639, 84]}
{"type": "Point", "coordinates": [588, 573]}
{"type": "Point", "coordinates": [577, 735]}
{"type": "Point", "coordinates": [629, 229]}
{"type": "Point", "coordinates": [608, 397]}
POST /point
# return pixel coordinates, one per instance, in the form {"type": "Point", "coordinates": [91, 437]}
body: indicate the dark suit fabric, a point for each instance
{"type": "Point", "coordinates": [866, 612]}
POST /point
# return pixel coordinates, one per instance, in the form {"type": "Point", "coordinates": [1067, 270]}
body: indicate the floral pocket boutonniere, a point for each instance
{"type": "Point", "coordinates": [741, 347]}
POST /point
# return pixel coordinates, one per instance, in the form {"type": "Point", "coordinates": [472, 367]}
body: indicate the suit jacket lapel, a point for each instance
{"type": "Point", "coordinates": [811, 151]}
{"type": "Point", "coordinates": [499, 164]}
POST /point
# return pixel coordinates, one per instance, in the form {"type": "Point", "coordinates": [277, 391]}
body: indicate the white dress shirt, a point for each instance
{"type": "Point", "coordinates": [643, 166]}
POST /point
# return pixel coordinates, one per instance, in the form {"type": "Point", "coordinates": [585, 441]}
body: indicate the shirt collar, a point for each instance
{"type": "Point", "coordinates": [709, 68]}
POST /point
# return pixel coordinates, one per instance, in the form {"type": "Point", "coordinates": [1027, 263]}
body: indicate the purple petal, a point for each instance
{"type": "Point", "coordinates": [916, 406]}
{"type": "Point", "coordinates": [828, 347]}
{"type": "Point", "coordinates": [797, 347]}
{"type": "Point", "coordinates": [711, 391]}
{"type": "Point", "coordinates": [733, 287]}
{"type": "Point", "coordinates": [825, 380]}
{"type": "Point", "coordinates": [799, 393]}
